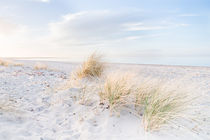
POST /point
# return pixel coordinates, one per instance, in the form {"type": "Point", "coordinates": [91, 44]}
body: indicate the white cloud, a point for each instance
{"type": "Point", "coordinates": [80, 32]}
{"type": "Point", "coordinates": [142, 27]}
{"type": "Point", "coordinates": [139, 26]}
{"type": "Point", "coordinates": [188, 15]}
{"type": "Point", "coordinates": [85, 31]}
{"type": "Point", "coordinates": [45, 1]}
{"type": "Point", "coordinates": [141, 36]}
{"type": "Point", "coordinates": [99, 27]}
{"type": "Point", "coordinates": [87, 26]}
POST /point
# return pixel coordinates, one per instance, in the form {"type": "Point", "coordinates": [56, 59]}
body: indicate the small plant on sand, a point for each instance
{"type": "Point", "coordinates": [92, 67]}
{"type": "Point", "coordinates": [4, 62]}
{"type": "Point", "coordinates": [117, 91]}
{"type": "Point", "coordinates": [161, 104]}
{"type": "Point", "coordinates": [40, 66]}
{"type": "Point", "coordinates": [9, 63]}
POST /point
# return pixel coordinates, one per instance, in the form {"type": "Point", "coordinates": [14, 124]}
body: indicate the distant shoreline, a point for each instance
{"type": "Point", "coordinates": [63, 60]}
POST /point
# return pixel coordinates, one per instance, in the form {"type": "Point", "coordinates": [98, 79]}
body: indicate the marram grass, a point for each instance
{"type": "Point", "coordinates": [161, 103]}
{"type": "Point", "coordinates": [92, 67]}
{"type": "Point", "coordinates": [117, 90]}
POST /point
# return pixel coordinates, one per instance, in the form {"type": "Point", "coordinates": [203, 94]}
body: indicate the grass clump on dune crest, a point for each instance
{"type": "Point", "coordinates": [8, 62]}
{"type": "Point", "coordinates": [92, 67]}
{"type": "Point", "coordinates": [117, 90]}
{"type": "Point", "coordinates": [161, 104]}
{"type": "Point", "coordinates": [4, 63]}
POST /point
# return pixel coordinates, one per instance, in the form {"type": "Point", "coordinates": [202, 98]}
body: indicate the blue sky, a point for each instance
{"type": "Point", "coordinates": [129, 31]}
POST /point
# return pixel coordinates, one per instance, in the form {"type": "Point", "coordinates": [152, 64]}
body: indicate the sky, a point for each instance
{"type": "Point", "coordinates": [174, 32]}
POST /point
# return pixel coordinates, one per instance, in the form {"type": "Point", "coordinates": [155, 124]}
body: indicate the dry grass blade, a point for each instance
{"type": "Point", "coordinates": [4, 62]}
{"type": "Point", "coordinates": [117, 90]}
{"type": "Point", "coordinates": [8, 62]}
{"type": "Point", "coordinates": [161, 104]}
{"type": "Point", "coordinates": [92, 67]}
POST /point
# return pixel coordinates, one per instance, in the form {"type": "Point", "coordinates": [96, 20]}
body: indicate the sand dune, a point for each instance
{"type": "Point", "coordinates": [32, 107]}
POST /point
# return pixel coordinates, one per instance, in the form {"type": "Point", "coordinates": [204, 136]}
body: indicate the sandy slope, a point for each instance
{"type": "Point", "coordinates": [31, 108]}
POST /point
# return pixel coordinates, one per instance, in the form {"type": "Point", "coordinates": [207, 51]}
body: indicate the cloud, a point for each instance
{"type": "Point", "coordinates": [44, 1]}
{"type": "Point", "coordinates": [142, 27]}
{"type": "Point", "coordinates": [188, 15]}
{"type": "Point", "coordinates": [88, 26]}
{"type": "Point", "coordinates": [142, 36]}
{"type": "Point", "coordinates": [83, 32]}
{"type": "Point", "coordinates": [103, 26]}
{"type": "Point", "coordinates": [151, 27]}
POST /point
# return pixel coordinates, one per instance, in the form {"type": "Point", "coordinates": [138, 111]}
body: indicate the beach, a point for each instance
{"type": "Point", "coordinates": [33, 107]}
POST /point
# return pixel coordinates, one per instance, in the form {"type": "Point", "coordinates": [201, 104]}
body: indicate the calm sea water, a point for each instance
{"type": "Point", "coordinates": [186, 61]}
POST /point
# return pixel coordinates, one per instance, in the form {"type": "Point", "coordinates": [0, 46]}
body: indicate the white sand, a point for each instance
{"type": "Point", "coordinates": [33, 110]}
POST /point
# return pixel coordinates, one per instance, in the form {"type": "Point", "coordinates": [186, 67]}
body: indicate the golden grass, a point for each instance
{"type": "Point", "coordinates": [40, 66]}
{"type": "Point", "coordinates": [158, 103]}
{"type": "Point", "coordinates": [117, 90]}
{"type": "Point", "coordinates": [92, 67]}
{"type": "Point", "coordinates": [9, 63]}
{"type": "Point", "coordinates": [4, 63]}
{"type": "Point", "coordinates": [161, 103]}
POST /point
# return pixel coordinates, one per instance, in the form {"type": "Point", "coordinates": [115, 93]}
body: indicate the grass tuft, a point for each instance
{"type": "Point", "coordinates": [117, 90]}
{"type": "Point", "coordinates": [92, 67]}
{"type": "Point", "coordinates": [4, 63]}
{"type": "Point", "coordinates": [8, 62]}
{"type": "Point", "coordinates": [160, 104]}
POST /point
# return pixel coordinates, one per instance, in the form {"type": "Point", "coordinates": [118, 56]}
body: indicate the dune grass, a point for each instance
{"type": "Point", "coordinates": [9, 63]}
{"type": "Point", "coordinates": [40, 66]}
{"type": "Point", "coordinates": [117, 90]}
{"type": "Point", "coordinates": [160, 104]}
{"type": "Point", "coordinates": [157, 103]}
{"type": "Point", "coordinates": [92, 67]}
{"type": "Point", "coordinates": [4, 62]}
